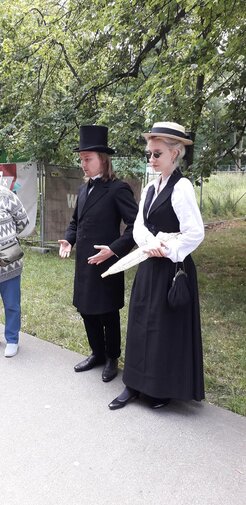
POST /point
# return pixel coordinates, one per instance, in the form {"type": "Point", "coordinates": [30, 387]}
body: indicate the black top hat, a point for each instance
{"type": "Point", "coordinates": [94, 138]}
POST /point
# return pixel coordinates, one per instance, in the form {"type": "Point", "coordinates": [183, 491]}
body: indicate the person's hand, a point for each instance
{"type": "Point", "coordinates": [104, 253]}
{"type": "Point", "coordinates": [65, 248]}
{"type": "Point", "coordinates": [157, 250]}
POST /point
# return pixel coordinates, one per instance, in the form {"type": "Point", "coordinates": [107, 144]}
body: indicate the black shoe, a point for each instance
{"type": "Point", "coordinates": [125, 397]}
{"type": "Point", "coordinates": [158, 403]}
{"type": "Point", "coordinates": [110, 370]}
{"type": "Point", "coordinates": [88, 363]}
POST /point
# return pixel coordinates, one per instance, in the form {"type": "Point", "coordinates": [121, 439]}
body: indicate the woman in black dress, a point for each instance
{"type": "Point", "coordinates": [163, 357]}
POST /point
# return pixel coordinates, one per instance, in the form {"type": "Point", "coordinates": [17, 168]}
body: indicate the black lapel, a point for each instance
{"type": "Point", "coordinates": [148, 200]}
{"type": "Point", "coordinates": [82, 198]}
{"type": "Point", "coordinates": [167, 191]}
{"type": "Point", "coordinates": [99, 190]}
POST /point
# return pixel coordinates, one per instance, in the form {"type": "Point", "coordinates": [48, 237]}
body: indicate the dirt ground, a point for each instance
{"type": "Point", "coordinates": [231, 223]}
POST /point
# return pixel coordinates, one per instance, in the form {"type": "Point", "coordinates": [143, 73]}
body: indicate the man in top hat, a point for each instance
{"type": "Point", "coordinates": [102, 203]}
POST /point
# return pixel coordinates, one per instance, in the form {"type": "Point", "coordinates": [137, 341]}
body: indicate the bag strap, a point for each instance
{"type": "Point", "coordinates": [182, 267]}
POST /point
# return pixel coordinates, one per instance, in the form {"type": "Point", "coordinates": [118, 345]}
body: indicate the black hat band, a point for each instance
{"type": "Point", "coordinates": [169, 131]}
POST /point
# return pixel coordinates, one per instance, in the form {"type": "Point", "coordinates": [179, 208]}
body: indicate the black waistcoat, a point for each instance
{"type": "Point", "coordinates": [161, 216]}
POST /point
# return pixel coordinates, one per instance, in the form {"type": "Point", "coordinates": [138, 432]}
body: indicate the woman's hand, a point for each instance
{"type": "Point", "coordinates": [157, 251]}
{"type": "Point", "coordinates": [65, 248]}
{"type": "Point", "coordinates": [104, 253]}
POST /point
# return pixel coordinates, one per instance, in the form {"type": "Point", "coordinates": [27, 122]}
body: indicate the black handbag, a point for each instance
{"type": "Point", "coordinates": [10, 253]}
{"type": "Point", "coordinates": [179, 294]}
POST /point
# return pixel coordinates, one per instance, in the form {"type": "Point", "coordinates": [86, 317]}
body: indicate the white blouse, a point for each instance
{"type": "Point", "coordinates": [184, 204]}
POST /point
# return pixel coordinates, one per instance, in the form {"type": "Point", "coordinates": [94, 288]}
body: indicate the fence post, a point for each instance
{"type": "Point", "coordinates": [41, 173]}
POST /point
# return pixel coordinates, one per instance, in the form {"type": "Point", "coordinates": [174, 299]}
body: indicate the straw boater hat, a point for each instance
{"type": "Point", "coordinates": [94, 138]}
{"type": "Point", "coordinates": [169, 130]}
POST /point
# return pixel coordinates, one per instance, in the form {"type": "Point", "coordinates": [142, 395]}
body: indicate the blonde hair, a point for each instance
{"type": "Point", "coordinates": [107, 172]}
{"type": "Point", "coordinates": [172, 144]}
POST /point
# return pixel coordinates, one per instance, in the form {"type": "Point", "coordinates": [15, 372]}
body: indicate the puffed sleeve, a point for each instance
{"type": "Point", "coordinates": [191, 225]}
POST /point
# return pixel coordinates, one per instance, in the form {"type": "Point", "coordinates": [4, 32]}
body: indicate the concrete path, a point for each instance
{"type": "Point", "coordinates": [61, 445]}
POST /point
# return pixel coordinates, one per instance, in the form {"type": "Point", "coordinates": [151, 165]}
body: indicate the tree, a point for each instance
{"type": "Point", "coordinates": [125, 63]}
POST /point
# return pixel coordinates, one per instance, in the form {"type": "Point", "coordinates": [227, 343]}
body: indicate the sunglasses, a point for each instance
{"type": "Point", "coordinates": [156, 155]}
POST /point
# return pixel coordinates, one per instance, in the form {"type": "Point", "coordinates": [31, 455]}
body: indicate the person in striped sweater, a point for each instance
{"type": "Point", "coordinates": [13, 220]}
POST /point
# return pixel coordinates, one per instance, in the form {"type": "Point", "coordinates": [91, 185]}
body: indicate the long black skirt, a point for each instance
{"type": "Point", "coordinates": [164, 348]}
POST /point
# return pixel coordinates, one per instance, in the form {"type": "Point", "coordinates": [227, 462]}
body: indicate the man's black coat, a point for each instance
{"type": "Point", "coordinates": [96, 221]}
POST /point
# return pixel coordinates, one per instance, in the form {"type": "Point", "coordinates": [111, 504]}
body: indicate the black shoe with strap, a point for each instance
{"type": "Point", "coordinates": [126, 396]}
{"type": "Point", "coordinates": [110, 370]}
{"type": "Point", "coordinates": [89, 363]}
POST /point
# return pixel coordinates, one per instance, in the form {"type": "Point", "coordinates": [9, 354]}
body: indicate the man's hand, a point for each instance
{"type": "Point", "coordinates": [104, 253]}
{"type": "Point", "coordinates": [65, 248]}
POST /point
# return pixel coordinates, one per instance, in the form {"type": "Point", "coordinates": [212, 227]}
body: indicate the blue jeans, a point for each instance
{"type": "Point", "coordinates": [10, 293]}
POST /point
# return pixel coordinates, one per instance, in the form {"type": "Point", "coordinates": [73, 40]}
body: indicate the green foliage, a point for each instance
{"type": "Point", "coordinates": [124, 63]}
{"type": "Point", "coordinates": [226, 208]}
{"type": "Point", "coordinates": [223, 196]}
{"type": "Point", "coordinates": [216, 207]}
{"type": "Point", "coordinates": [133, 167]}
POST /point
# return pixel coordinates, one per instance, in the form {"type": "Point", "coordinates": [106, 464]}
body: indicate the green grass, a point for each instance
{"type": "Point", "coordinates": [223, 196]}
{"type": "Point", "coordinates": [47, 311]}
{"type": "Point", "coordinates": [221, 268]}
{"type": "Point", "coordinates": [47, 290]}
